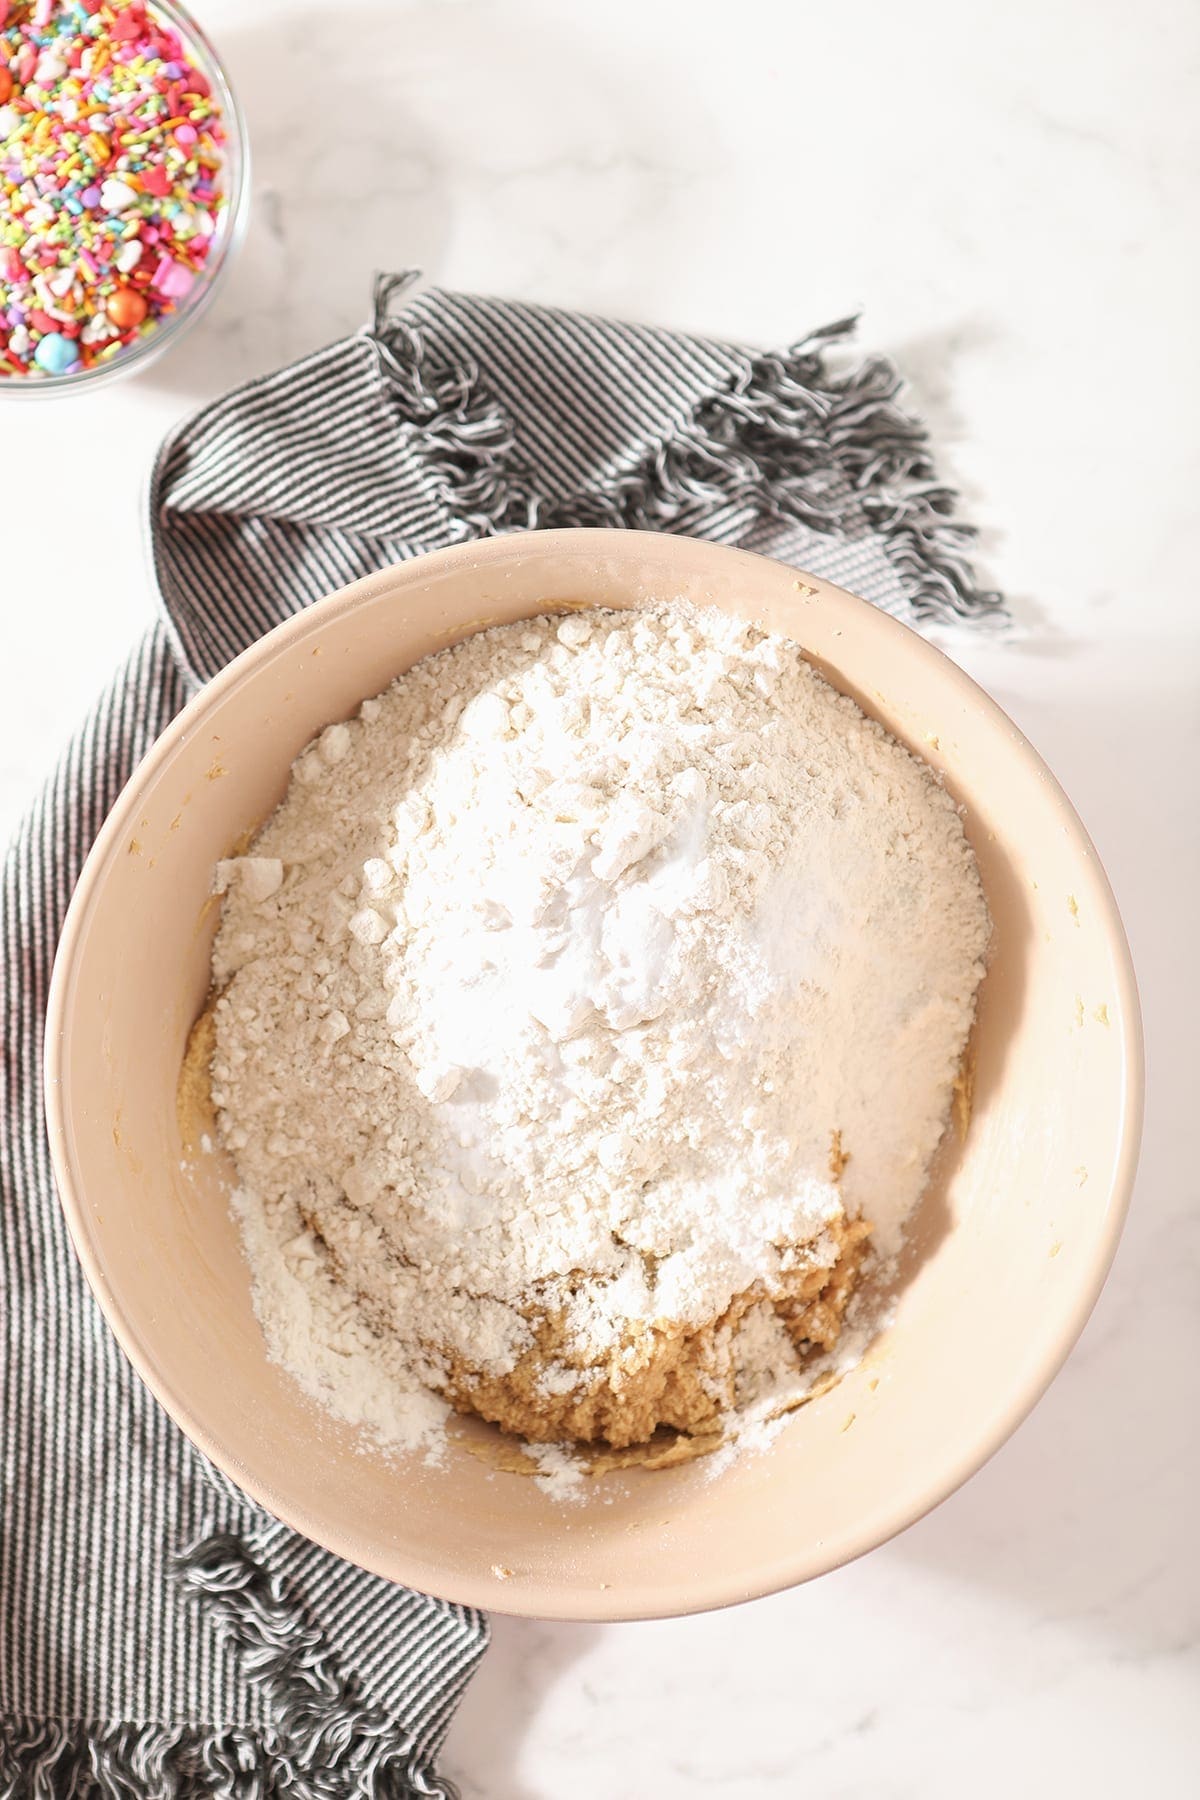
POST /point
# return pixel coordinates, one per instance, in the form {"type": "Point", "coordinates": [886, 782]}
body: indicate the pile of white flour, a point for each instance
{"type": "Point", "coordinates": [567, 958]}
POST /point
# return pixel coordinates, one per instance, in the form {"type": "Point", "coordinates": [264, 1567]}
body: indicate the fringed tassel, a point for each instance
{"type": "Point", "coordinates": [71, 1761]}
{"type": "Point", "coordinates": [337, 1749]}
{"type": "Point", "coordinates": [788, 440]}
{"type": "Point", "coordinates": [465, 438]}
{"type": "Point", "coordinates": [322, 1744]}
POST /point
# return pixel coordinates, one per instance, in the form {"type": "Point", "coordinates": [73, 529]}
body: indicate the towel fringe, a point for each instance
{"type": "Point", "coordinates": [70, 1760]}
{"type": "Point", "coordinates": [337, 1746]}
{"type": "Point", "coordinates": [320, 1745]}
{"type": "Point", "coordinates": [788, 439]}
{"type": "Point", "coordinates": [466, 439]}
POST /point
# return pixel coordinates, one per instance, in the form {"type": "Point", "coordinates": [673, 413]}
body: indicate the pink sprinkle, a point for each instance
{"type": "Point", "coordinates": [11, 263]}
{"type": "Point", "coordinates": [171, 278]}
{"type": "Point", "coordinates": [185, 135]}
{"type": "Point", "coordinates": [86, 257]}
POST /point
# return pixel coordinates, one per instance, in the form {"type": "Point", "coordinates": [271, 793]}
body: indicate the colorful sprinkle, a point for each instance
{"type": "Point", "coordinates": [111, 191]}
{"type": "Point", "coordinates": [55, 353]}
{"type": "Point", "coordinates": [126, 308]}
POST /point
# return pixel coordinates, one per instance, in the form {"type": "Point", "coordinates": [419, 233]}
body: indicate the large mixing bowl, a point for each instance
{"type": "Point", "coordinates": [1013, 1240]}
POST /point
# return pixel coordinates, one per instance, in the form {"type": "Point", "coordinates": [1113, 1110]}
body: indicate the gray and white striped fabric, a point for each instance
{"type": "Point", "coordinates": [159, 1635]}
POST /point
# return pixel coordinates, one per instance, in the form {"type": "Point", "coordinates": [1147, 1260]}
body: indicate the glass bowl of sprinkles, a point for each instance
{"type": "Point", "coordinates": [123, 186]}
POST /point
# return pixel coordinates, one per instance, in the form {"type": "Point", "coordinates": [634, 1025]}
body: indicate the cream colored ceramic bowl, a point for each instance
{"type": "Point", "coordinates": [1015, 1236]}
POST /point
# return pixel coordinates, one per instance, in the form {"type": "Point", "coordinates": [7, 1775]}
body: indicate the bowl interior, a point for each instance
{"type": "Point", "coordinates": [1015, 1234]}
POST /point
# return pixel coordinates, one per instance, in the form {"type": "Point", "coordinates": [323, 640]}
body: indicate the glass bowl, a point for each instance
{"type": "Point", "coordinates": [230, 229]}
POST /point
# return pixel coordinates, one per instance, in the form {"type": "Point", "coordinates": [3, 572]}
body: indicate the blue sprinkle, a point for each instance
{"type": "Point", "coordinates": [72, 205]}
{"type": "Point", "coordinates": [55, 354]}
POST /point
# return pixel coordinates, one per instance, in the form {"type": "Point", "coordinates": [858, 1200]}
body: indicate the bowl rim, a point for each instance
{"type": "Point", "coordinates": [707, 1591]}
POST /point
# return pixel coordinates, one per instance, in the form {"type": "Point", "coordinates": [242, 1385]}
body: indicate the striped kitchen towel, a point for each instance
{"type": "Point", "coordinates": [160, 1635]}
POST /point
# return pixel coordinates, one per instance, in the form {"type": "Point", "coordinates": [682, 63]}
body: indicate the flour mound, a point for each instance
{"type": "Point", "coordinates": [584, 997]}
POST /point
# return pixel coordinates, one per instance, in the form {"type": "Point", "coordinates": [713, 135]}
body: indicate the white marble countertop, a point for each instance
{"type": "Point", "coordinates": [1010, 197]}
